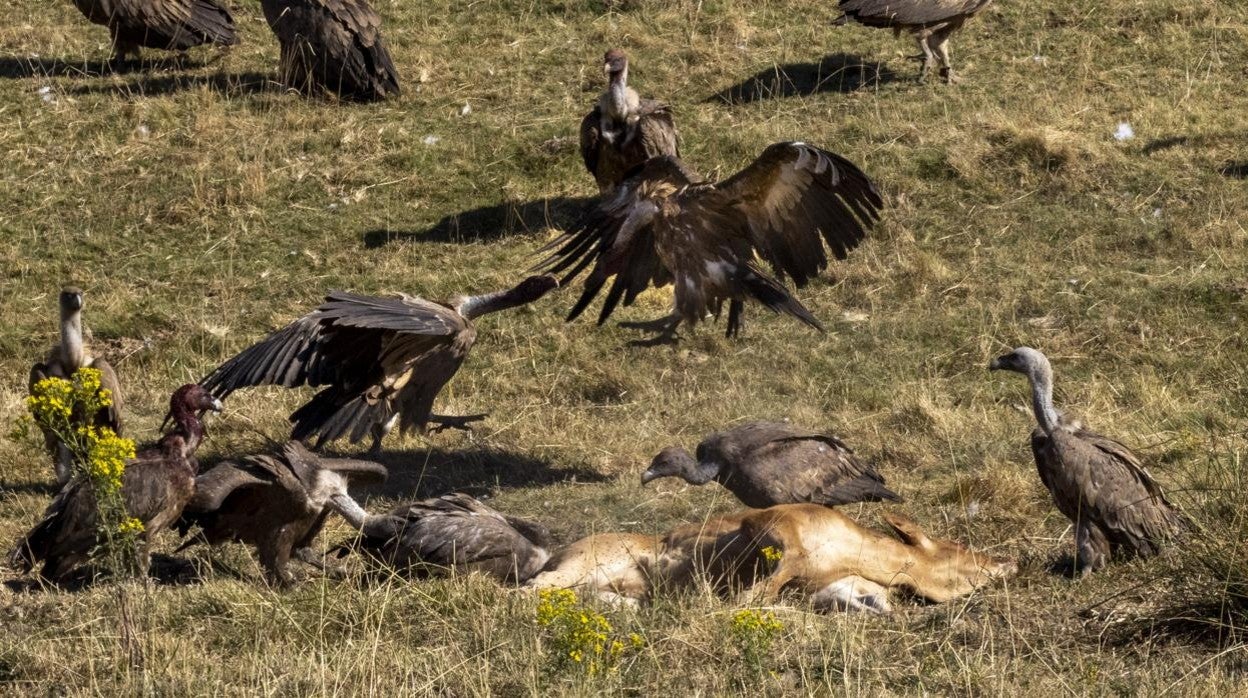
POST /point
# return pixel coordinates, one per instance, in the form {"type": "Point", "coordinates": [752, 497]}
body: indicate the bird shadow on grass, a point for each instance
{"type": "Point", "coordinates": [165, 570]}
{"type": "Point", "coordinates": [423, 473]}
{"type": "Point", "coordinates": [835, 72]}
{"type": "Point", "coordinates": [20, 67]}
{"type": "Point", "coordinates": [491, 222]}
{"type": "Point", "coordinates": [150, 85]}
{"type": "Point", "coordinates": [46, 488]}
{"type": "Point", "coordinates": [1238, 170]}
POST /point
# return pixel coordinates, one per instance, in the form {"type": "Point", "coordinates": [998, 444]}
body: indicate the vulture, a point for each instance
{"type": "Point", "coordinates": [173, 25]}
{"type": "Point", "coordinates": [623, 130]}
{"type": "Point", "coordinates": [63, 360]}
{"type": "Point", "coordinates": [664, 225]}
{"type": "Point", "coordinates": [770, 463]}
{"type": "Point", "coordinates": [156, 484]}
{"type": "Point", "coordinates": [378, 360]}
{"type": "Point", "coordinates": [452, 532]}
{"type": "Point", "coordinates": [1098, 483]}
{"type": "Point", "coordinates": [929, 21]}
{"type": "Point", "coordinates": [334, 45]}
{"type": "Point", "coordinates": [276, 503]}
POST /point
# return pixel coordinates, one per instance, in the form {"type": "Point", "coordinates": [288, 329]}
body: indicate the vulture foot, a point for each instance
{"type": "Point", "coordinates": [949, 76]}
{"type": "Point", "coordinates": [309, 557]}
{"type": "Point", "coordinates": [664, 327]}
{"type": "Point", "coordinates": [463, 423]}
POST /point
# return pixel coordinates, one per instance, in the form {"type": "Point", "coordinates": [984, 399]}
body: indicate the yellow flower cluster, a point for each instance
{"type": "Point", "coordinates": [580, 634]}
{"type": "Point", "coordinates": [106, 456]}
{"type": "Point", "coordinates": [130, 526]}
{"type": "Point", "coordinates": [755, 627]}
{"type": "Point", "coordinates": [51, 402]}
{"type": "Point", "coordinates": [772, 554]}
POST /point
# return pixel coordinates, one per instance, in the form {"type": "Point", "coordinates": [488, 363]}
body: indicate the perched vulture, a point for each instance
{"type": "Point", "coordinates": [769, 463]}
{"type": "Point", "coordinates": [378, 360]}
{"type": "Point", "coordinates": [157, 483]}
{"type": "Point", "coordinates": [664, 225]}
{"type": "Point", "coordinates": [276, 503]}
{"type": "Point", "coordinates": [1098, 483]}
{"type": "Point", "coordinates": [63, 360]}
{"type": "Point", "coordinates": [173, 25]}
{"type": "Point", "coordinates": [333, 45]}
{"type": "Point", "coordinates": [929, 21]}
{"type": "Point", "coordinates": [623, 130]}
{"type": "Point", "coordinates": [451, 532]}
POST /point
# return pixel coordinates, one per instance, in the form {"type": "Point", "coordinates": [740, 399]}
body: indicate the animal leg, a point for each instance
{"type": "Point", "coordinates": [308, 556]}
{"type": "Point", "coordinates": [853, 594]}
{"type": "Point", "coordinates": [463, 422]}
{"type": "Point", "coordinates": [941, 47]}
{"type": "Point", "coordinates": [1091, 548]}
{"type": "Point", "coordinates": [929, 58]}
{"type": "Point", "coordinates": [274, 554]}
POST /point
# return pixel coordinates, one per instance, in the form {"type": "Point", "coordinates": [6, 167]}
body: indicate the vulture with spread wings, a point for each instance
{"type": "Point", "coordinates": [276, 503]}
{"type": "Point", "coordinates": [334, 45]}
{"type": "Point", "coordinates": [931, 22]}
{"type": "Point", "coordinates": [623, 130]}
{"type": "Point", "coordinates": [378, 360]}
{"type": "Point", "coordinates": [174, 25]}
{"type": "Point", "coordinates": [62, 362]}
{"type": "Point", "coordinates": [665, 225]}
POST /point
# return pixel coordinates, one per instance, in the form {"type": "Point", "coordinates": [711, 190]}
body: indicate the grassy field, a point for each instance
{"type": "Point", "coordinates": [201, 206]}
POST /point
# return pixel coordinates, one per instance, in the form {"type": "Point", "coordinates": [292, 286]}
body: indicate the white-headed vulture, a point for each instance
{"type": "Point", "coordinates": [332, 45]}
{"type": "Point", "coordinates": [623, 130]}
{"type": "Point", "coordinates": [931, 22]}
{"type": "Point", "coordinates": [770, 463]}
{"type": "Point", "coordinates": [664, 225]}
{"type": "Point", "coordinates": [156, 484]}
{"type": "Point", "coordinates": [378, 360]}
{"type": "Point", "coordinates": [173, 25]}
{"type": "Point", "coordinates": [1098, 483]}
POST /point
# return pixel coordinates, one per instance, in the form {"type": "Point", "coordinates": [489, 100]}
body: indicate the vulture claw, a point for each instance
{"type": "Point", "coordinates": [463, 422]}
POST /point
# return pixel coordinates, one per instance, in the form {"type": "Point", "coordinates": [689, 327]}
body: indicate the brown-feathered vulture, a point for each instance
{"type": "Point", "coordinates": [452, 532]}
{"type": "Point", "coordinates": [63, 360]}
{"type": "Point", "coordinates": [173, 25]}
{"type": "Point", "coordinates": [1098, 483]}
{"type": "Point", "coordinates": [665, 225]}
{"type": "Point", "coordinates": [929, 21]}
{"type": "Point", "coordinates": [623, 130]}
{"type": "Point", "coordinates": [333, 45]}
{"type": "Point", "coordinates": [770, 463]}
{"type": "Point", "coordinates": [156, 484]}
{"type": "Point", "coordinates": [378, 360]}
{"type": "Point", "coordinates": [276, 503]}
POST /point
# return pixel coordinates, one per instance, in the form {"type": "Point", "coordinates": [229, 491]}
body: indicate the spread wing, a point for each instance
{"type": "Point", "coordinates": [793, 199]}
{"type": "Point", "coordinates": [888, 13]}
{"type": "Point", "coordinates": [345, 341]}
{"type": "Point", "coordinates": [617, 237]}
{"type": "Point", "coordinates": [214, 486]}
{"type": "Point", "coordinates": [334, 43]}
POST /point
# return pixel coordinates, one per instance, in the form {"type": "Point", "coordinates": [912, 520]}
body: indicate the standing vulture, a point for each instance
{"type": "Point", "coordinates": [334, 45]}
{"type": "Point", "coordinates": [623, 130]}
{"type": "Point", "coordinates": [664, 225]}
{"type": "Point", "coordinates": [379, 360]}
{"type": "Point", "coordinates": [156, 484]}
{"type": "Point", "coordinates": [452, 532]}
{"type": "Point", "coordinates": [770, 463]}
{"type": "Point", "coordinates": [63, 360]}
{"type": "Point", "coordinates": [1098, 483]}
{"type": "Point", "coordinates": [276, 503]}
{"type": "Point", "coordinates": [173, 25]}
{"type": "Point", "coordinates": [930, 21]}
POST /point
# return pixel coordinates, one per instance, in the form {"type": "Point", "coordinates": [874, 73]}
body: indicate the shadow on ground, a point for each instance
{"type": "Point", "coordinates": [491, 222]}
{"type": "Point", "coordinates": [48, 488]}
{"type": "Point", "coordinates": [835, 72]}
{"type": "Point", "coordinates": [1239, 170]}
{"type": "Point", "coordinates": [19, 67]}
{"type": "Point", "coordinates": [150, 85]}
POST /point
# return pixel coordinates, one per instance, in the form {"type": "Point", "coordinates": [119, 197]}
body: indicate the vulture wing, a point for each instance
{"type": "Point", "coordinates": [216, 485]}
{"type": "Point", "coordinates": [890, 13]}
{"type": "Point", "coordinates": [656, 130]}
{"type": "Point", "coordinates": [175, 25]}
{"type": "Point", "coordinates": [335, 44]}
{"type": "Point", "coordinates": [654, 135]}
{"type": "Point", "coordinates": [109, 416]}
{"type": "Point", "coordinates": [617, 237]}
{"type": "Point", "coordinates": [63, 537]}
{"type": "Point", "coordinates": [792, 196]}
{"type": "Point", "coordinates": [591, 140]}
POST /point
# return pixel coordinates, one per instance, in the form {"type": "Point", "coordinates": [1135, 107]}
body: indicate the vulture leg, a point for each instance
{"type": "Point", "coordinates": [1092, 548]}
{"type": "Point", "coordinates": [274, 553]}
{"type": "Point", "coordinates": [929, 57]}
{"type": "Point", "coordinates": [379, 432]}
{"type": "Point", "coordinates": [940, 44]}
{"type": "Point", "coordinates": [664, 327]}
{"type": "Point", "coordinates": [463, 423]}
{"type": "Point", "coordinates": [309, 557]}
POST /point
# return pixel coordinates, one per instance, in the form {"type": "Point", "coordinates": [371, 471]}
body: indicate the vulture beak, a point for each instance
{"type": "Point", "coordinates": [606, 68]}
{"type": "Point", "coordinates": [648, 476]}
{"type": "Point", "coordinates": [216, 405]}
{"type": "Point", "coordinates": [994, 365]}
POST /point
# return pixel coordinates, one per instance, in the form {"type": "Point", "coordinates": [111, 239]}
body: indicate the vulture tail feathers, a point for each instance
{"type": "Point", "coordinates": [863, 488]}
{"type": "Point", "coordinates": [214, 21]}
{"type": "Point", "coordinates": [330, 415]}
{"type": "Point", "coordinates": [772, 294]}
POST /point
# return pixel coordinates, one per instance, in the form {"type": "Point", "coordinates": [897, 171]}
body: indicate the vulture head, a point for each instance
{"type": "Point", "coordinates": [192, 398]}
{"type": "Point", "coordinates": [71, 300]}
{"type": "Point", "coordinates": [527, 291]}
{"type": "Point", "coordinates": [1023, 360]}
{"type": "Point", "coordinates": [614, 63]}
{"type": "Point", "coordinates": [675, 461]}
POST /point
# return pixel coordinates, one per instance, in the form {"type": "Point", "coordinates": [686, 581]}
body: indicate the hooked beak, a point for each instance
{"type": "Point", "coordinates": [216, 405]}
{"type": "Point", "coordinates": [995, 364]}
{"type": "Point", "coordinates": [648, 476]}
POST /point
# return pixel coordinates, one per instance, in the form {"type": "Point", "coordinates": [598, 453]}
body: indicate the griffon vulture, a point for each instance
{"type": "Point", "coordinates": [156, 484]}
{"type": "Point", "coordinates": [665, 225]}
{"type": "Point", "coordinates": [63, 360]}
{"type": "Point", "coordinates": [451, 532]}
{"type": "Point", "coordinates": [378, 360]}
{"type": "Point", "coordinates": [174, 25]}
{"type": "Point", "coordinates": [624, 130]}
{"type": "Point", "coordinates": [769, 463]}
{"type": "Point", "coordinates": [334, 45]}
{"type": "Point", "coordinates": [931, 22]}
{"type": "Point", "coordinates": [1098, 483]}
{"type": "Point", "coordinates": [276, 503]}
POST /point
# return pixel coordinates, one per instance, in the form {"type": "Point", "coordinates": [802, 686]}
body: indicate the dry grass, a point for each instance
{"type": "Point", "coordinates": [202, 207]}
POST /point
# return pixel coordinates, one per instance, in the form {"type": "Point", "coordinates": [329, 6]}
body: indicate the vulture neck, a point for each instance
{"type": "Point", "coordinates": [703, 473]}
{"type": "Point", "coordinates": [73, 354]}
{"type": "Point", "coordinates": [619, 103]}
{"type": "Point", "coordinates": [188, 426]}
{"type": "Point", "coordinates": [473, 307]}
{"type": "Point", "coordinates": [349, 509]}
{"type": "Point", "coordinates": [1041, 377]}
